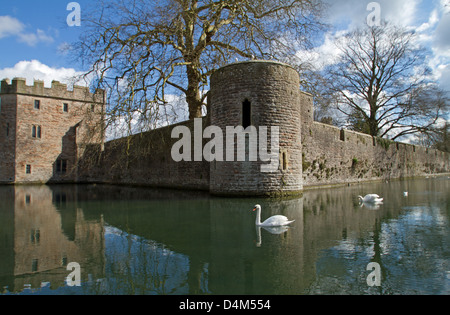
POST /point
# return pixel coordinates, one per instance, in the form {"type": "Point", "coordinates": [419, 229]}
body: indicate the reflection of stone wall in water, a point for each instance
{"type": "Point", "coordinates": [48, 232]}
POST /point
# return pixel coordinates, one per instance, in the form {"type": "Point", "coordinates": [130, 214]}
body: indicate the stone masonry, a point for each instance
{"type": "Point", "coordinates": [44, 131]}
{"type": "Point", "coordinates": [252, 93]}
{"type": "Point", "coordinates": [271, 92]}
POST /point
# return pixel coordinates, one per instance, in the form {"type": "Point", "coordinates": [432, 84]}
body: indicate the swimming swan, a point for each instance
{"type": "Point", "coordinates": [276, 220]}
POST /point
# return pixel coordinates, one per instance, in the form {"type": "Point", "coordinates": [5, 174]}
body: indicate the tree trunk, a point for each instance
{"type": "Point", "coordinates": [193, 97]}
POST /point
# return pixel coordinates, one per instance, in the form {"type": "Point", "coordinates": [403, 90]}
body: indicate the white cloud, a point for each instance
{"type": "Point", "coordinates": [432, 21]}
{"type": "Point", "coordinates": [443, 73]}
{"type": "Point", "coordinates": [401, 12]}
{"type": "Point", "coordinates": [10, 26]}
{"type": "Point", "coordinates": [31, 39]}
{"type": "Point", "coordinates": [35, 70]}
{"type": "Point", "coordinates": [432, 28]}
{"type": "Point", "coordinates": [323, 55]}
{"type": "Point", "coordinates": [445, 4]}
{"type": "Point", "coordinates": [354, 13]}
{"type": "Point", "coordinates": [442, 34]}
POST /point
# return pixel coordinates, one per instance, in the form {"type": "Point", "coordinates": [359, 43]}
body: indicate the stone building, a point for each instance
{"type": "Point", "coordinates": [44, 131]}
{"type": "Point", "coordinates": [311, 154]}
{"type": "Point", "coordinates": [41, 142]}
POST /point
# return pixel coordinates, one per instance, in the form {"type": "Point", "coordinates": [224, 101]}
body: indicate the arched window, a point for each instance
{"type": "Point", "coordinates": [246, 114]}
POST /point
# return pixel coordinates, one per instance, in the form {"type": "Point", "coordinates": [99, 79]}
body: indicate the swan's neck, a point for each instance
{"type": "Point", "coordinates": [258, 216]}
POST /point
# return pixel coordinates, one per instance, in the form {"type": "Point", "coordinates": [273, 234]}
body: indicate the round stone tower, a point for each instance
{"type": "Point", "coordinates": [263, 97]}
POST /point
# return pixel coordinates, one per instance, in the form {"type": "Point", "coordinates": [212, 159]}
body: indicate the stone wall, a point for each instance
{"type": "Point", "coordinates": [8, 113]}
{"type": "Point", "coordinates": [334, 156]}
{"type": "Point", "coordinates": [145, 159]}
{"type": "Point", "coordinates": [311, 153]}
{"type": "Point", "coordinates": [318, 154]}
{"type": "Point", "coordinates": [46, 139]}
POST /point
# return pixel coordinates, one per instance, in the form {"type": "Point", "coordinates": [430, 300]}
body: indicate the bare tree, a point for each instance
{"type": "Point", "coordinates": [381, 83]}
{"type": "Point", "coordinates": [143, 51]}
{"type": "Point", "coordinates": [437, 138]}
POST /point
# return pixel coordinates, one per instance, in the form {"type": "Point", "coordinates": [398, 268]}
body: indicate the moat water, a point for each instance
{"type": "Point", "coordinates": [142, 241]}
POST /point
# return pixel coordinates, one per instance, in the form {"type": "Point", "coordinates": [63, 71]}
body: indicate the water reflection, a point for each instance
{"type": "Point", "coordinates": [42, 230]}
{"type": "Point", "coordinates": [141, 241]}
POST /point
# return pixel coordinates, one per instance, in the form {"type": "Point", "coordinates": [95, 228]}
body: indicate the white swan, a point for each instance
{"type": "Point", "coordinates": [371, 198]}
{"type": "Point", "coordinates": [276, 220]}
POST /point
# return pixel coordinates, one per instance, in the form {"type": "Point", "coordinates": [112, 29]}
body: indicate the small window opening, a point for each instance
{"type": "Point", "coordinates": [66, 107]}
{"type": "Point", "coordinates": [28, 169]}
{"type": "Point", "coordinates": [34, 265]}
{"type": "Point", "coordinates": [36, 132]}
{"type": "Point", "coordinates": [7, 129]}
{"type": "Point", "coordinates": [37, 104]}
{"type": "Point", "coordinates": [342, 135]}
{"type": "Point", "coordinates": [284, 161]}
{"type": "Point", "coordinates": [246, 114]}
{"type": "Point", "coordinates": [61, 166]}
{"type": "Point", "coordinates": [35, 236]}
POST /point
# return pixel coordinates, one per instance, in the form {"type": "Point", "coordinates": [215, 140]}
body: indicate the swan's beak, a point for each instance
{"type": "Point", "coordinates": [254, 209]}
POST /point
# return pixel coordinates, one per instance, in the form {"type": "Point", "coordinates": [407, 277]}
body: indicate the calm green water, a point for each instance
{"type": "Point", "coordinates": [141, 241]}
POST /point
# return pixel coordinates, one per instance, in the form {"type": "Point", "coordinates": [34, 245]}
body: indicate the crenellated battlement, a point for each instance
{"type": "Point", "coordinates": [57, 90]}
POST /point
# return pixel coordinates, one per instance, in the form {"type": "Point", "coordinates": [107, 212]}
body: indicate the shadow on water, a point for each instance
{"type": "Point", "coordinates": [131, 240]}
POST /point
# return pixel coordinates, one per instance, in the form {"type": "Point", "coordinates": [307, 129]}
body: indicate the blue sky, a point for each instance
{"type": "Point", "coordinates": [35, 30]}
{"type": "Point", "coordinates": [32, 34]}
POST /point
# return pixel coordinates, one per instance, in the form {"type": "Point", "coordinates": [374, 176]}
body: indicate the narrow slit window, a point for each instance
{"type": "Point", "coordinates": [342, 135]}
{"type": "Point", "coordinates": [246, 113]}
{"type": "Point", "coordinates": [37, 104]}
{"type": "Point", "coordinates": [33, 132]}
{"type": "Point", "coordinates": [28, 169]}
{"type": "Point", "coordinates": [284, 161]}
{"type": "Point", "coordinates": [66, 107]}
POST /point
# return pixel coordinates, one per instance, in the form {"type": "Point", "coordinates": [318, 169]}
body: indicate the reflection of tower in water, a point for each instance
{"type": "Point", "coordinates": [45, 231]}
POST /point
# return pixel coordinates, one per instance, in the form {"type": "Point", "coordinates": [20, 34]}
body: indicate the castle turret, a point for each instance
{"type": "Point", "coordinates": [258, 95]}
{"type": "Point", "coordinates": [44, 132]}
